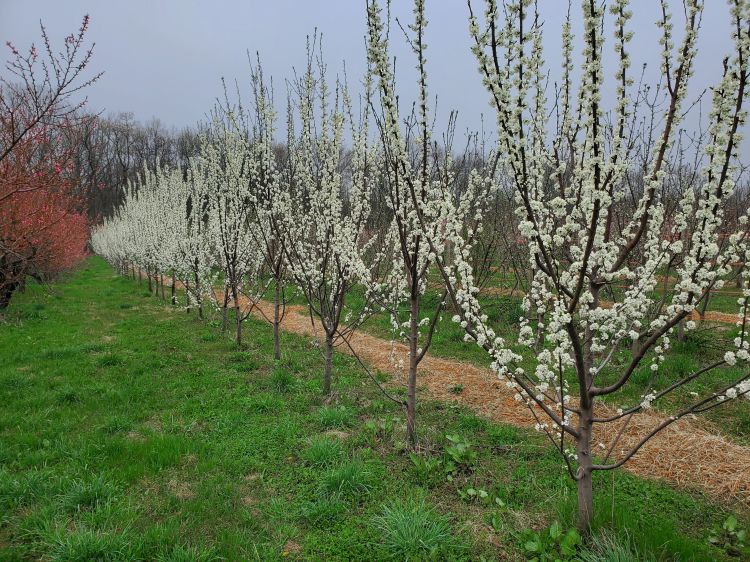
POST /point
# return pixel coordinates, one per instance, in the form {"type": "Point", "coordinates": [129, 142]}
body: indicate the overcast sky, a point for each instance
{"type": "Point", "coordinates": [165, 58]}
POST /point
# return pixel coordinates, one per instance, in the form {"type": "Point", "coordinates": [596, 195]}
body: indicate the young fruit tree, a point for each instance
{"type": "Point", "coordinates": [414, 168]}
{"type": "Point", "coordinates": [267, 211]}
{"type": "Point", "coordinates": [328, 209]}
{"type": "Point", "coordinates": [42, 227]}
{"type": "Point", "coordinates": [569, 179]}
{"type": "Point", "coordinates": [226, 164]}
{"type": "Point", "coordinates": [198, 256]}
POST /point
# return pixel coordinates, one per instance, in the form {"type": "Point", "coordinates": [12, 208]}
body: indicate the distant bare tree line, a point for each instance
{"type": "Point", "coordinates": [111, 151]}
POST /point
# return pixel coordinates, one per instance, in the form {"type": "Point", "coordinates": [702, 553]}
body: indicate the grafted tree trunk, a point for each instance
{"type": "Point", "coordinates": [172, 289]}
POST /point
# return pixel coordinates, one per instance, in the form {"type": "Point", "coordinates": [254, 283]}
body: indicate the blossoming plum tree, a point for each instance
{"type": "Point", "coordinates": [414, 170]}
{"type": "Point", "coordinates": [328, 209]}
{"type": "Point", "coordinates": [569, 180]}
{"type": "Point", "coordinates": [226, 164]}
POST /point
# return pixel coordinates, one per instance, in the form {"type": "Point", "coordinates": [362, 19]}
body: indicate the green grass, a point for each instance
{"type": "Point", "coordinates": [335, 416]}
{"type": "Point", "coordinates": [130, 430]}
{"type": "Point", "coordinates": [323, 451]}
{"type": "Point", "coordinates": [413, 530]}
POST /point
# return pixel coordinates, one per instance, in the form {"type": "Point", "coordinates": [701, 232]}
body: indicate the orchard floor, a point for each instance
{"type": "Point", "coordinates": [686, 453]}
{"type": "Point", "coordinates": [130, 430]}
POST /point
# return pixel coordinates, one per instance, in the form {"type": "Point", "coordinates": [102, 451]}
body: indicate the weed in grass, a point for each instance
{"type": "Point", "coordinates": [263, 402]}
{"type": "Point", "coordinates": [68, 395]}
{"type": "Point", "coordinates": [456, 388]}
{"type": "Point", "coordinates": [88, 494]}
{"type": "Point", "coordinates": [281, 380]}
{"type": "Point", "coordinates": [351, 480]}
{"type": "Point", "coordinates": [471, 494]}
{"type": "Point", "coordinates": [336, 416]}
{"type": "Point", "coordinates": [554, 543]}
{"type": "Point", "coordinates": [109, 360]}
{"type": "Point", "coordinates": [412, 530]}
{"type": "Point", "coordinates": [459, 455]}
{"type": "Point", "coordinates": [730, 537]}
{"type": "Point", "coordinates": [608, 547]}
{"type": "Point", "coordinates": [323, 451]}
{"type": "Point", "coordinates": [425, 470]}
{"type": "Point", "coordinates": [381, 429]}
{"type": "Point", "coordinates": [116, 424]}
{"type": "Point", "coordinates": [323, 510]}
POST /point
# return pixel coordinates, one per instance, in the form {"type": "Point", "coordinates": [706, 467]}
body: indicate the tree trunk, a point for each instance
{"type": "Point", "coordinates": [172, 289]}
{"type": "Point", "coordinates": [187, 296]}
{"type": "Point", "coordinates": [584, 476]}
{"type": "Point", "coordinates": [411, 395]}
{"type": "Point", "coordinates": [140, 276]}
{"type": "Point", "coordinates": [198, 296]}
{"type": "Point", "coordinates": [224, 307]}
{"type": "Point", "coordinates": [276, 320]}
{"type": "Point", "coordinates": [150, 284]}
{"type": "Point", "coordinates": [329, 365]}
{"type": "Point", "coordinates": [163, 297]}
{"type": "Point", "coordinates": [6, 293]}
{"type": "Point", "coordinates": [237, 315]}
